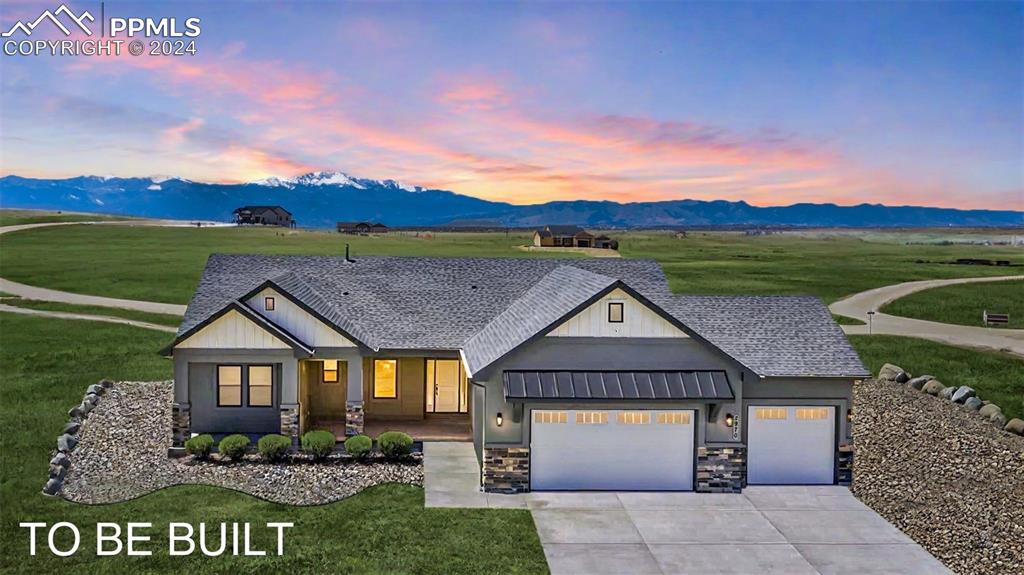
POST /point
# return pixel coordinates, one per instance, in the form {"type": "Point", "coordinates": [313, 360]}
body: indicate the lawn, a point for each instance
{"type": "Point", "coordinates": [164, 264]}
{"type": "Point", "coordinates": [13, 217]}
{"type": "Point", "coordinates": [996, 377]}
{"type": "Point", "coordinates": [47, 364]}
{"type": "Point", "coordinates": [963, 304]}
{"type": "Point", "coordinates": [157, 318]}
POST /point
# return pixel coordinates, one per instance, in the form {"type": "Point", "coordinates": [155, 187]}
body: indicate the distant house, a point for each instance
{"type": "Point", "coordinates": [362, 228]}
{"type": "Point", "coordinates": [680, 234]}
{"type": "Point", "coordinates": [264, 216]}
{"type": "Point", "coordinates": [606, 243]}
{"type": "Point", "coordinates": [566, 236]}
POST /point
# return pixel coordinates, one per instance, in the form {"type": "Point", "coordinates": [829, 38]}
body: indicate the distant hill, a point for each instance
{"type": "Point", "coordinates": [320, 199]}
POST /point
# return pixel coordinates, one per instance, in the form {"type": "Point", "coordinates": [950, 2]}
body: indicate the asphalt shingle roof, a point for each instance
{"type": "Point", "coordinates": [484, 305]}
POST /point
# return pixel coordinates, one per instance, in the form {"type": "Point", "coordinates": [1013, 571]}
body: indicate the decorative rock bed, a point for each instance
{"type": "Point", "coordinates": [122, 446]}
{"type": "Point", "coordinates": [941, 472]}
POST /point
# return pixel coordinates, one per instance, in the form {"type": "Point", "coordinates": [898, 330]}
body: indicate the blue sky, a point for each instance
{"type": "Point", "coordinates": [774, 103]}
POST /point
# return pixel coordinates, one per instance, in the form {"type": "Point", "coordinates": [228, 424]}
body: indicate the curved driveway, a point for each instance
{"type": "Point", "coordinates": [858, 305]}
{"type": "Point", "coordinates": [87, 317]}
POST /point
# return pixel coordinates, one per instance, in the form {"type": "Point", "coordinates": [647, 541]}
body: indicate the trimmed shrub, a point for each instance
{"type": "Point", "coordinates": [395, 444]}
{"type": "Point", "coordinates": [358, 446]}
{"type": "Point", "coordinates": [319, 444]}
{"type": "Point", "coordinates": [199, 446]}
{"type": "Point", "coordinates": [233, 446]}
{"type": "Point", "coordinates": [273, 447]}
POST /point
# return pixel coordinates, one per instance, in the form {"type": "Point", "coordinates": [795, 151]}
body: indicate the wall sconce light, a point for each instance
{"type": "Point", "coordinates": [499, 419]}
{"type": "Point", "coordinates": [849, 415]}
{"type": "Point", "coordinates": [730, 420]}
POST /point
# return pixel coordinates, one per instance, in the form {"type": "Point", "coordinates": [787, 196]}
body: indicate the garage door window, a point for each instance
{"type": "Point", "coordinates": [634, 418]}
{"type": "Point", "coordinates": [770, 413]}
{"type": "Point", "coordinates": [674, 418]}
{"type": "Point", "coordinates": [806, 413]}
{"type": "Point", "coordinates": [591, 417]}
{"type": "Point", "coordinates": [550, 417]}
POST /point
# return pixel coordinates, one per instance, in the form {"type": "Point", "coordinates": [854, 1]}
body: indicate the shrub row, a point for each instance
{"type": "Point", "coordinates": [273, 447]}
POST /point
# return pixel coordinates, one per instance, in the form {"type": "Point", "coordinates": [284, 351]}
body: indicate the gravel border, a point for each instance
{"type": "Point", "coordinates": [122, 455]}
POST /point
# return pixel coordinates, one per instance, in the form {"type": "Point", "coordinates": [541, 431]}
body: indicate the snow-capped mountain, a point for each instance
{"type": "Point", "coordinates": [332, 179]}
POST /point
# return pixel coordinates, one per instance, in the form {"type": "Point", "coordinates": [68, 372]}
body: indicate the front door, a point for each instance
{"type": "Point", "coordinates": [328, 389]}
{"type": "Point", "coordinates": [446, 389]}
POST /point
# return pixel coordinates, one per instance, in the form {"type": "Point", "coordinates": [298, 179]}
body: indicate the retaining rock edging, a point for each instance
{"type": "Point", "coordinates": [69, 439]}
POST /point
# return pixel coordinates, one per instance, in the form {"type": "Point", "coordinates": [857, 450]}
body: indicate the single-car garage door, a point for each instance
{"type": "Point", "coordinates": [624, 450]}
{"type": "Point", "coordinates": [790, 445]}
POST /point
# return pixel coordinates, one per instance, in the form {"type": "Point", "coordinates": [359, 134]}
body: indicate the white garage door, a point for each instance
{"type": "Point", "coordinates": [619, 450]}
{"type": "Point", "coordinates": [790, 445]}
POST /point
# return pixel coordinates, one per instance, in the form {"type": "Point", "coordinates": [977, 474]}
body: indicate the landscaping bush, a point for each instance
{"type": "Point", "coordinates": [233, 446]}
{"type": "Point", "coordinates": [199, 446]}
{"type": "Point", "coordinates": [395, 444]}
{"type": "Point", "coordinates": [273, 447]}
{"type": "Point", "coordinates": [358, 446]}
{"type": "Point", "coordinates": [319, 444]}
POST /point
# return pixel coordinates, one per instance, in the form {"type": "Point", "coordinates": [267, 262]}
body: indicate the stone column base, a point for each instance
{"type": "Point", "coordinates": [290, 422]}
{"type": "Point", "coordinates": [506, 469]}
{"type": "Point", "coordinates": [354, 418]}
{"type": "Point", "coordinates": [721, 469]}
{"type": "Point", "coordinates": [181, 424]}
{"type": "Point", "coordinates": [844, 462]}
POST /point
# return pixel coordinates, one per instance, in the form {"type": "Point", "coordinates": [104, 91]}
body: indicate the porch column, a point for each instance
{"type": "Point", "coordinates": [354, 402]}
{"type": "Point", "coordinates": [290, 400]}
{"type": "Point", "coordinates": [181, 414]}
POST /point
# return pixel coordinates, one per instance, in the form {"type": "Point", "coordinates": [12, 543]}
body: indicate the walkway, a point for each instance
{"type": "Point", "coordinates": [103, 318]}
{"type": "Point", "coordinates": [857, 306]}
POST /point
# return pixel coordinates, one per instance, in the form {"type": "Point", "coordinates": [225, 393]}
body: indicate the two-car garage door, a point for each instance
{"type": "Point", "coordinates": [612, 449]}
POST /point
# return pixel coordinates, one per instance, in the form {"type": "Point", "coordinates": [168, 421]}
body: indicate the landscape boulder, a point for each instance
{"type": "Point", "coordinates": [902, 377]}
{"type": "Point", "coordinates": [76, 412]}
{"type": "Point", "coordinates": [96, 389]}
{"type": "Point", "coordinates": [933, 387]}
{"type": "Point", "coordinates": [106, 383]}
{"type": "Point", "coordinates": [987, 410]}
{"type": "Point", "coordinates": [72, 427]}
{"type": "Point", "coordinates": [962, 393]}
{"type": "Point", "coordinates": [52, 486]}
{"type": "Point", "coordinates": [91, 399]}
{"type": "Point", "coordinates": [58, 472]}
{"type": "Point", "coordinates": [889, 372]}
{"type": "Point", "coordinates": [920, 381]}
{"type": "Point", "coordinates": [1015, 425]}
{"type": "Point", "coordinates": [998, 419]}
{"type": "Point", "coordinates": [947, 392]}
{"type": "Point", "coordinates": [85, 408]}
{"type": "Point", "coordinates": [60, 459]}
{"type": "Point", "coordinates": [66, 443]}
{"type": "Point", "coordinates": [973, 403]}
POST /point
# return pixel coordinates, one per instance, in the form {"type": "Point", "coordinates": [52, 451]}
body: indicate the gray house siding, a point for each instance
{"type": "Point", "coordinates": [809, 391]}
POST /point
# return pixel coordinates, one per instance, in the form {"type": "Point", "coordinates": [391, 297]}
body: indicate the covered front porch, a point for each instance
{"type": "Point", "coordinates": [433, 427]}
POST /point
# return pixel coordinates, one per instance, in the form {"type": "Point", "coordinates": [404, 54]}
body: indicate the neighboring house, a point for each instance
{"type": "Point", "coordinates": [680, 234]}
{"type": "Point", "coordinates": [604, 242]}
{"type": "Point", "coordinates": [568, 236]}
{"type": "Point", "coordinates": [567, 374]}
{"type": "Point", "coordinates": [361, 228]}
{"type": "Point", "coordinates": [264, 215]}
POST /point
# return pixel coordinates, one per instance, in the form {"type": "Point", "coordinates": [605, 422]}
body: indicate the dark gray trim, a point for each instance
{"type": "Point", "coordinates": [248, 384]}
{"type": "Point", "coordinates": [241, 384]}
{"type": "Point", "coordinates": [634, 385]}
{"type": "Point", "coordinates": [622, 312]}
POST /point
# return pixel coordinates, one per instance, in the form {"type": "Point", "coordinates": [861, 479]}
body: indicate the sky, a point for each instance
{"type": "Point", "coordinates": [773, 103]}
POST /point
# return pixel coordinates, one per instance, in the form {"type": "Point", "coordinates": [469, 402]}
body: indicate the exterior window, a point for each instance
{"type": "Point", "coordinates": [591, 417]}
{"type": "Point", "coordinates": [812, 413]}
{"type": "Point", "coordinates": [268, 303]}
{"type": "Point", "coordinates": [261, 386]}
{"type": "Point", "coordinates": [674, 418]}
{"type": "Point", "coordinates": [615, 311]}
{"type": "Point", "coordinates": [550, 417]}
{"type": "Point", "coordinates": [770, 413]}
{"type": "Point", "coordinates": [385, 380]}
{"type": "Point", "coordinates": [330, 371]}
{"type": "Point", "coordinates": [229, 386]}
{"type": "Point", "coordinates": [634, 418]}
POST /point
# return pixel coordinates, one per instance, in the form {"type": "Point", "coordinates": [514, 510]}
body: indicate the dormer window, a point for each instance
{"type": "Point", "coordinates": [615, 311]}
{"type": "Point", "coordinates": [268, 303]}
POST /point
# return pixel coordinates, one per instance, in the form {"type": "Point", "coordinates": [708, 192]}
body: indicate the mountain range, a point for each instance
{"type": "Point", "coordinates": [319, 199]}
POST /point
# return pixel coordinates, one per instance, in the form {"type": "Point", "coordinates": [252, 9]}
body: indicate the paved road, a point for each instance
{"type": "Point", "coordinates": [104, 318]}
{"type": "Point", "coordinates": [765, 530]}
{"type": "Point", "coordinates": [38, 293]}
{"type": "Point", "coordinates": [857, 306]}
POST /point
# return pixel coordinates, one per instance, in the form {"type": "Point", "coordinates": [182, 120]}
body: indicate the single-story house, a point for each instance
{"type": "Point", "coordinates": [264, 215]}
{"type": "Point", "coordinates": [567, 236]}
{"type": "Point", "coordinates": [606, 243]}
{"type": "Point", "coordinates": [361, 228]}
{"type": "Point", "coordinates": [565, 374]}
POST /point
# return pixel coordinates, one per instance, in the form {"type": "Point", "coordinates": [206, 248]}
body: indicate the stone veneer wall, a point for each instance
{"type": "Point", "coordinates": [844, 460]}
{"type": "Point", "coordinates": [506, 469]}
{"type": "Point", "coordinates": [354, 418]}
{"type": "Point", "coordinates": [721, 469]}
{"type": "Point", "coordinates": [181, 424]}
{"type": "Point", "coordinates": [290, 422]}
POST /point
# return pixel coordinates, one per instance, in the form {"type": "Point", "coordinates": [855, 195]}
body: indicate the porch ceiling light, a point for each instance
{"type": "Point", "coordinates": [730, 420]}
{"type": "Point", "coordinates": [499, 419]}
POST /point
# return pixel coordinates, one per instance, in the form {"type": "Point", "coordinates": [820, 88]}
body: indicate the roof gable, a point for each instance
{"type": "Point", "coordinates": [638, 320]}
{"type": "Point", "coordinates": [236, 327]}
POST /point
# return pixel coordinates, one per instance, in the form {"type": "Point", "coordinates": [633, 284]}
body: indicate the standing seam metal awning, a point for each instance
{"type": "Point", "coordinates": [616, 385]}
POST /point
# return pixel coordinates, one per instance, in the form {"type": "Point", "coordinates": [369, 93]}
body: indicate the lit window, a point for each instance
{"type": "Point", "coordinates": [812, 413]}
{"type": "Point", "coordinates": [385, 381]}
{"type": "Point", "coordinates": [229, 385]}
{"type": "Point", "coordinates": [268, 303]}
{"type": "Point", "coordinates": [261, 386]}
{"type": "Point", "coordinates": [550, 417]}
{"type": "Point", "coordinates": [330, 371]}
{"type": "Point", "coordinates": [591, 417]}
{"type": "Point", "coordinates": [674, 418]}
{"type": "Point", "coordinates": [634, 418]}
{"type": "Point", "coordinates": [615, 311]}
{"type": "Point", "coordinates": [770, 413]}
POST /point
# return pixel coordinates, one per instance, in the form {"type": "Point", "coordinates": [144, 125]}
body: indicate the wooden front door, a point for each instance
{"type": "Point", "coordinates": [328, 389]}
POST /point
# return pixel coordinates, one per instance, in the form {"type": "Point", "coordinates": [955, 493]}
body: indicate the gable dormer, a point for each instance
{"type": "Point", "coordinates": [617, 314]}
{"type": "Point", "coordinates": [293, 318]}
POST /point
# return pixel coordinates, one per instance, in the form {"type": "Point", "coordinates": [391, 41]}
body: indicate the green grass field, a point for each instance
{"type": "Point", "coordinates": [164, 264]}
{"type": "Point", "coordinates": [964, 304]}
{"type": "Point", "coordinates": [46, 366]}
{"type": "Point", "coordinates": [13, 217]}
{"type": "Point", "coordinates": [996, 377]}
{"type": "Point", "coordinates": [157, 318]}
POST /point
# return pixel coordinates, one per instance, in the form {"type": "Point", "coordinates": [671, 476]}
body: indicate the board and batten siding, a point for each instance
{"type": "Point", "coordinates": [297, 321]}
{"type": "Point", "coordinates": [638, 320]}
{"type": "Point", "coordinates": [233, 331]}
